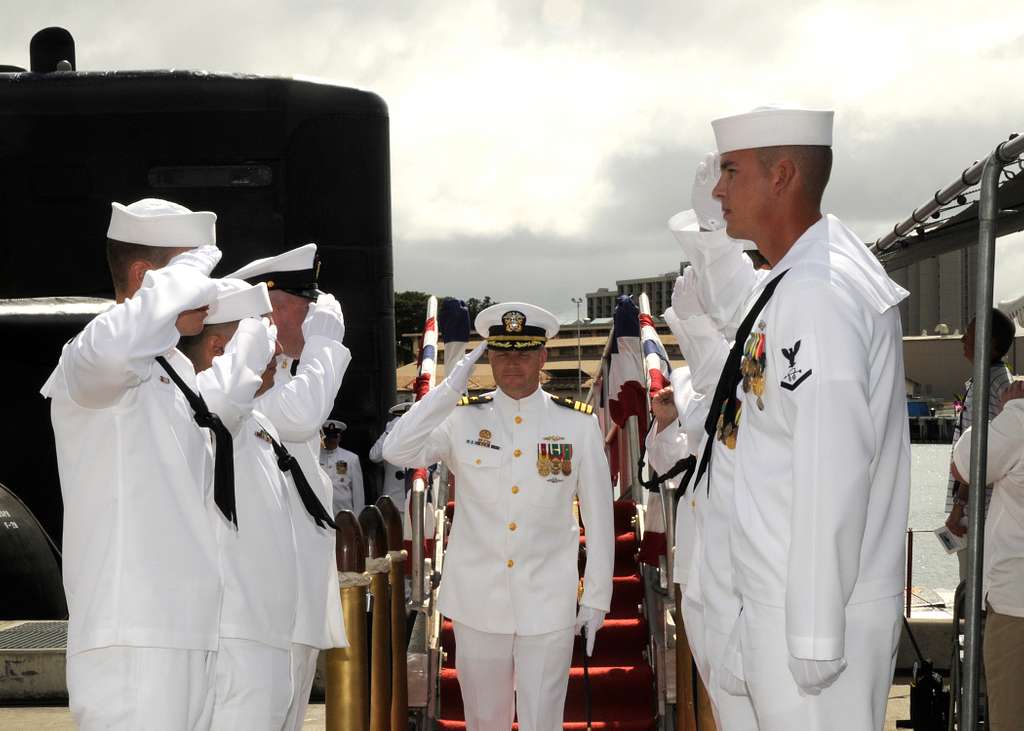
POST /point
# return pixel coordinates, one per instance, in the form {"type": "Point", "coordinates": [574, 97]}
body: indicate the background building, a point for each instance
{"type": "Point", "coordinates": [941, 292]}
{"type": "Point", "coordinates": [601, 303]}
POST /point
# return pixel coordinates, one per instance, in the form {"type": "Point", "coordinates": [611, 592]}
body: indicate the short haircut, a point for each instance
{"type": "Point", "coordinates": [121, 255]}
{"type": "Point", "coordinates": [813, 161]}
{"type": "Point", "coordinates": [1003, 332]}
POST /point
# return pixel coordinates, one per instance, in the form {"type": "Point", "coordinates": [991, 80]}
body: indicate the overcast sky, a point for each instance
{"type": "Point", "coordinates": [539, 146]}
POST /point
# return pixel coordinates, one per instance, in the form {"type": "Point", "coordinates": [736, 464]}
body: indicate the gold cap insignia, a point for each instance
{"type": "Point", "coordinates": [513, 321]}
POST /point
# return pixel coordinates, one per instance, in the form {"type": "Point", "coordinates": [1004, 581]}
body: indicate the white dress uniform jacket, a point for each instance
{"type": "Point", "coordinates": [346, 474]}
{"type": "Point", "coordinates": [511, 562]}
{"type": "Point", "coordinates": [297, 406]}
{"type": "Point", "coordinates": [140, 558]}
{"type": "Point", "coordinates": [823, 470]}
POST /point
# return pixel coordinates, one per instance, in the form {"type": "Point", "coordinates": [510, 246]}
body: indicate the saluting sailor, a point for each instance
{"type": "Point", "coordinates": [822, 448]}
{"type": "Point", "coordinates": [234, 361]}
{"type": "Point", "coordinates": [140, 558]}
{"type": "Point", "coordinates": [710, 602]}
{"type": "Point", "coordinates": [520, 456]}
{"type": "Point", "coordinates": [310, 328]}
{"type": "Point", "coordinates": [343, 467]}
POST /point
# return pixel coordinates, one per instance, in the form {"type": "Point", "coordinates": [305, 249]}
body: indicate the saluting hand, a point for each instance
{"type": "Point", "coordinates": [203, 259]}
{"type": "Point", "coordinates": [324, 319]}
{"type": "Point", "coordinates": [685, 302]}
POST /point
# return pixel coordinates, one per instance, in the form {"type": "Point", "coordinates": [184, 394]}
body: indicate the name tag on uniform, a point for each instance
{"type": "Point", "coordinates": [483, 440]}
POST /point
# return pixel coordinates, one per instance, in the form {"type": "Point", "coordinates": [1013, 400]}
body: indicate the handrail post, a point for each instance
{"type": "Point", "coordinates": [987, 215]}
{"type": "Point", "coordinates": [417, 504]}
{"type": "Point", "coordinates": [910, 568]}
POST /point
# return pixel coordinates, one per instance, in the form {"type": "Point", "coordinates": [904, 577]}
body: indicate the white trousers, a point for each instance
{"type": "Point", "coordinates": [500, 674]}
{"type": "Point", "coordinates": [303, 665]}
{"type": "Point", "coordinates": [855, 702]}
{"type": "Point", "coordinates": [707, 645]}
{"type": "Point", "coordinates": [131, 688]}
{"type": "Point", "coordinates": [253, 686]}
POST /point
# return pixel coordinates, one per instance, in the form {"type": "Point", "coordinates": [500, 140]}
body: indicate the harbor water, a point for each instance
{"type": "Point", "coordinates": [933, 569]}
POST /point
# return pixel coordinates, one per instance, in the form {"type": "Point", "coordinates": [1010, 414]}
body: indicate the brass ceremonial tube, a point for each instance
{"type": "Point", "coordinates": [399, 671]}
{"type": "Point", "coordinates": [375, 535]}
{"type": "Point", "coordinates": [347, 693]}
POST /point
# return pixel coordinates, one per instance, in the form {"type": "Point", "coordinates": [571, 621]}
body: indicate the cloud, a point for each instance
{"type": "Point", "coordinates": [547, 141]}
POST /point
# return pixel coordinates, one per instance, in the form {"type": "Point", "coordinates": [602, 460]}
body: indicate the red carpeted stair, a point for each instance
{"type": "Point", "coordinates": [622, 686]}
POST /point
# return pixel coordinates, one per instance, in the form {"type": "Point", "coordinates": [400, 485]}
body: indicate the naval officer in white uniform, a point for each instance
{"type": "Point", "coordinates": [234, 361]}
{"type": "Point", "coordinates": [310, 328]}
{"type": "Point", "coordinates": [140, 558]}
{"type": "Point", "coordinates": [343, 467]}
{"type": "Point", "coordinates": [510, 576]}
{"type": "Point", "coordinates": [822, 449]}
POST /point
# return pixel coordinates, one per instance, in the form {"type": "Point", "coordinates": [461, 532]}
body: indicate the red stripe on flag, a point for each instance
{"type": "Point", "coordinates": [658, 381]}
{"type": "Point", "coordinates": [646, 320]}
{"type": "Point", "coordinates": [431, 325]}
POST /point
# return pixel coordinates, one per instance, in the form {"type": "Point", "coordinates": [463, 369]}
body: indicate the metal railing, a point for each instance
{"type": "Point", "coordinates": [1005, 154]}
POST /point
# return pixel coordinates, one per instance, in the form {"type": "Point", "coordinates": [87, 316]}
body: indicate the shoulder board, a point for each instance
{"type": "Point", "coordinates": [475, 400]}
{"type": "Point", "coordinates": [574, 405]}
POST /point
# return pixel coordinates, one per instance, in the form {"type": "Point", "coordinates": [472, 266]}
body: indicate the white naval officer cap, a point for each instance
{"type": "Point", "coordinates": [515, 326]}
{"type": "Point", "coordinates": [334, 425]}
{"type": "Point", "coordinates": [773, 126]}
{"type": "Point", "coordinates": [296, 271]}
{"type": "Point", "coordinates": [704, 221]}
{"type": "Point", "coordinates": [400, 408]}
{"type": "Point", "coordinates": [156, 222]}
{"type": "Point", "coordinates": [236, 300]}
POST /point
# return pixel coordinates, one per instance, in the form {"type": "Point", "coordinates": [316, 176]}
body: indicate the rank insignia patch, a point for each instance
{"type": "Point", "coordinates": [794, 375]}
{"type": "Point", "coordinates": [554, 461]}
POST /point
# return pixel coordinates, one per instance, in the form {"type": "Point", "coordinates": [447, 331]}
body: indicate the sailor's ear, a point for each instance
{"type": "Point", "coordinates": [136, 273]}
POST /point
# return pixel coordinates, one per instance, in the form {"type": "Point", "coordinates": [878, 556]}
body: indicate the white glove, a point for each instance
{"type": "Point", "coordinates": [685, 302]}
{"type": "Point", "coordinates": [707, 208]}
{"type": "Point", "coordinates": [458, 378]}
{"type": "Point", "coordinates": [813, 676]}
{"type": "Point", "coordinates": [324, 319]}
{"type": "Point", "coordinates": [203, 259]}
{"type": "Point", "coordinates": [254, 342]}
{"type": "Point", "coordinates": [592, 619]}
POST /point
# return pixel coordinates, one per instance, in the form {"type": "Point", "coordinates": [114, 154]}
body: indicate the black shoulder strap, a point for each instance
{"type": "Point", "coordinates": [287, 463]}
{"type": "Point", "coordinates": [724, 404]}
{"type": "Point", "coordinates": [224, 459]}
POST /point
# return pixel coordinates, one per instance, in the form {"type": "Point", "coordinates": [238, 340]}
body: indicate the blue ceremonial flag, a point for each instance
{"type": "Point", "coordinates": [453, 324]}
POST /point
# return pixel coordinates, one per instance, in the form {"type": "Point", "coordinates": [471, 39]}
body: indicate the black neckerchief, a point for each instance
{"type": "Point", "coordinates": [725, 403]}
{"type": "Point", "coordinates": [224, 459]}
{"type": "Point", "coordinates": [287, 463]}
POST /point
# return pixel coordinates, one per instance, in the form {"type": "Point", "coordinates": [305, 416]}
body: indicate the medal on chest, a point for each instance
{"type": "Point", "coordinates": [554, 460]}
{"type": "Point", "coordinates": [753, 364]}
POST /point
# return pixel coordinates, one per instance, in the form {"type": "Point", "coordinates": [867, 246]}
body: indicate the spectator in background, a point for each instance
{"type": "Point", "coordinates": [1003, 331]}
{"type": "Point", "coordinates": [343, 467]}
{"type": "Point", "coordinates": [1003, 566]}
{"type": "Point", "coordinates": [394, 477]}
